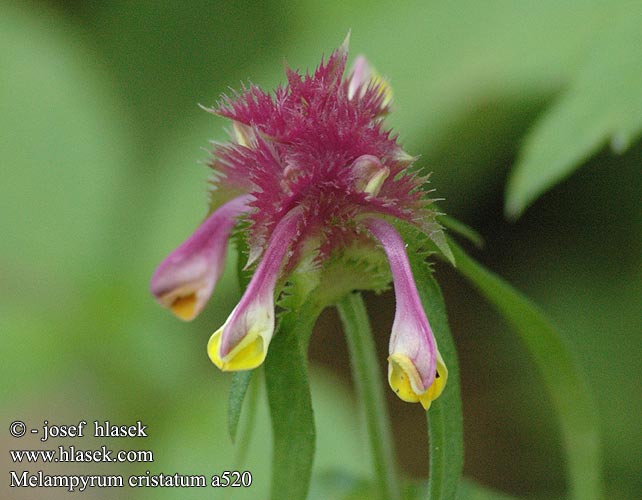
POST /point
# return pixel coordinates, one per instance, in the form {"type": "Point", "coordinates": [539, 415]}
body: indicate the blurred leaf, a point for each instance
{"type": "Point", "coordinates": [367, 378]}
{"type": "Point", "coordinates": [286, 376]}
{"type": "Point", "coordinates": [169, 56]}
{"type": "Point", "coordinates": [338, 484]}
{"type": "Point", "coordinates": [62, 149]}
{"type": "Point", "coordinates": [189, 437]}
{"type": "Point", "coordinates": [603, 104]}
{"type": "Point", "coordinates": [467, 490]}
{"type": "Point", "coordinates": [240, 383]}
{"type": "Point", "coordinates": [561, 375]}
{"type": "Point", "coordinates": [470, 490]}
{"type": "Point", "coordinates": [445, 421]}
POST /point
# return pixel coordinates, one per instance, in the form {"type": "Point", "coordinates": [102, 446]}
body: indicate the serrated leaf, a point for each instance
{"type": "Point", "coordinates": [286, 376]}
{"type": "Point", "coordinates": [560, 372]}
{"type": "Point", "coordinates": [602, 105]}
{"type": "Point", "coordinates": [445, 421]}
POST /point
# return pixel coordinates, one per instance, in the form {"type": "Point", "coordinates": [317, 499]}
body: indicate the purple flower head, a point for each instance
{"type": "Point", "coordinates": [319, 174]}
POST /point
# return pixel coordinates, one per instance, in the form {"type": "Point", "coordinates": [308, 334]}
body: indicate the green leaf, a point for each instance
{"type": "Point", "coordinates": [368, 380]}
{"type": "Point", "coordinates": [240, 383]}
{"type": "Point", "coordinates": [561, 374]}
{"type": "Point", "coordinates": [286, 376]}
{"type": "Point", "coordinates": [603, 104]}
{"type": "Point", "coordinates": [445, 422]}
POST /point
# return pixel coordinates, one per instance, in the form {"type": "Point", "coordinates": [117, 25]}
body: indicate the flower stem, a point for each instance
{"type": "Point", "coordinates": [368, 377]}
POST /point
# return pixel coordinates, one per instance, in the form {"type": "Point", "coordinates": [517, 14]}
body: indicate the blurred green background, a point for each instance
{"type": "Point", "coordinates": [101, 144]}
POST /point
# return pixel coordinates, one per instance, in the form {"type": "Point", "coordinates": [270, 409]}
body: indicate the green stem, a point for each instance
{"type": "Point", "coordinates": [368, 377]}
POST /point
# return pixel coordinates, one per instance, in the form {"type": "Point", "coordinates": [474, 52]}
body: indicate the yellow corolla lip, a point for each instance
{"type": "Point", "coordinates": [405, 381]}
{"type": "Point", "coordinates": [248, 354]}
{"type": "Point", "coordinates": [184, 307]}
{"type": "Point", "coordinates": [404, 378]}
{"type": "Point", "coordinates": [437, 387]}
{"type": "Point", "coordinates": [184, 302]}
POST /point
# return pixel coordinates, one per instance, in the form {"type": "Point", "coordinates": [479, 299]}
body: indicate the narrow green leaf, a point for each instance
{"type": "Point", "coordinates": [368, 380]}
{"type": "Point", "coordinates": [603, 104]}
{"type": "Point", "coordinates": [240, 383]}
{"type": "Point", "coordinates": [288, 388]}
{"type": "Point", "coordinates": [445, 422]}
{"type": "Point", "coordinates": [562, 376]}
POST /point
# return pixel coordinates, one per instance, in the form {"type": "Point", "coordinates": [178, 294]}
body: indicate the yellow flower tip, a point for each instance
{"type": "Point", "coordinates": [405, 381]}
{"type": "Point", "coordinates": [247, 355]}
{"type": "Point", "coordinates": [184, 307]}
{"type": "Point", "coordinates": [183, 302]}
{"type": "Point", "coordinates": [437, 387]}
{"type": "Point", "coordinates": [402, 376]}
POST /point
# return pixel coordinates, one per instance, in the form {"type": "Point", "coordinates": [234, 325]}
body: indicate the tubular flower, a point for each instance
{"type": "Point", "coordinates": [416, 371]}
{"type": "Point", "coordinates": [242, 342]}
{"type": "Point", "coordinates": [184, 281]}
{"type": "Point", "coordinates": [319, 175]}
